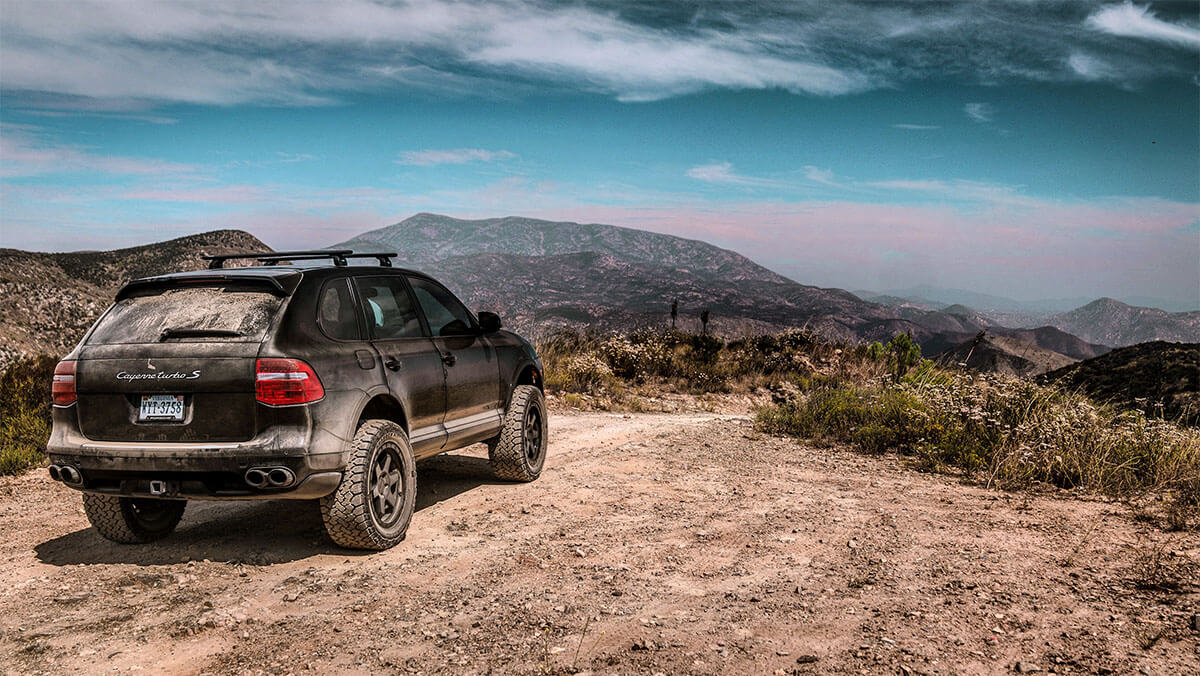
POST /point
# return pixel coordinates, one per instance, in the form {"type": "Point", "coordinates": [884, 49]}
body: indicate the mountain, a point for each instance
{"type": "Point", "coordinates": [1159, 377]}
{"type": "Point", "coordinates": [426, 238]}
{"type": "Point", "coordinates": [1004, 355]}
{"type": "Point", "coordinates": [48, 300]}
{"type": "Point", "coordinates": [1055, 339]}
{"type": "Point", "coordinates": [543, 275]}
{"type": "Point", "coordinates": [1112, 322]}
{"type": "Point", "coordinates": [985, 302]}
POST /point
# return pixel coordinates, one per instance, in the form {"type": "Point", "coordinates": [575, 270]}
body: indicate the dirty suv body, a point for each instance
{"type": "Point", "coordinates": [316, 380]}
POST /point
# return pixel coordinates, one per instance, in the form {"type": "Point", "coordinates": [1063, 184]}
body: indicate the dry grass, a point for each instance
{"type": "Point", "coordinates": [1003, 432]}
{"type": "Point", "coordinates": [25, 413]}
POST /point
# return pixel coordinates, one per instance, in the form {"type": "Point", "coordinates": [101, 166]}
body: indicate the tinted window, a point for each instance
{"type": "Point", "coordinates": [389, 309]}
{"type": "Point", "coordinates": [222, 312]}
{"type": "Point", "coordinates": [336, 312]}
{"type": "Point", "coordinates": [445, 314]}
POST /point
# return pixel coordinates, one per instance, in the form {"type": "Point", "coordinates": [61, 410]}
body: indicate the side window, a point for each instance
{"type": "Point", "coordinates": [336, 313]}
{"type": "Point", "coordinates": [445, 314]}
{"type": "Point", "coordinates": [389, 308]}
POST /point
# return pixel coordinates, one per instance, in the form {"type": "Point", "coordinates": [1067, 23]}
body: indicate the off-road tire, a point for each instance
{"type": "Point", "coordinates": [353, 517]}
{"type": "Point", "coordinates": [132, 520]}
{"type": "Point", "coordinates": [516, 454]}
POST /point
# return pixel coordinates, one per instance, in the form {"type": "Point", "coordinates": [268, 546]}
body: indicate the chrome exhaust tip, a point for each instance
{"type": "Point", "coordinates": [70, 475]}
{"type": "Point", "coordinates": [55, 473]}
{"type": "Point", "coordinates": [281, 477]}
{"type": "Point", "coordinates": [256, 478]}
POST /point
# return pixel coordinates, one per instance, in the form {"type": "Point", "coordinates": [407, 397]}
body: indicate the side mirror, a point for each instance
{"type": "Point", "coordinates": [489, 322]}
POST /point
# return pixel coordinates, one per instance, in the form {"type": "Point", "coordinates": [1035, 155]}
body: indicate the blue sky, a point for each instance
{"type": "Point", "coordinates": [1017, 148]}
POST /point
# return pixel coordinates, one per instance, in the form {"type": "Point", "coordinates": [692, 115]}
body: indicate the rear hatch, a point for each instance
{"type": "Point", "coordinates": [175, 362]}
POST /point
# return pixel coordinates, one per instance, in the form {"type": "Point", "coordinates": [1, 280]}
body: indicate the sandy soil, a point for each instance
{"type": "Point", "coordinates": [671, 544]}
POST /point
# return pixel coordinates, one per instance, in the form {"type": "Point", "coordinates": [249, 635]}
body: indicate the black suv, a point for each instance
{"type": "Point", "coordinates": [314, 379]}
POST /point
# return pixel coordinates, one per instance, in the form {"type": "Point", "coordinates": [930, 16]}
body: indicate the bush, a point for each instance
{"type": "Point", "coordinates": [1013, 433]}
{"type": "Point", "coordinates": [585, 372]}
{"type": "Point", "coordinates": [25, 413]}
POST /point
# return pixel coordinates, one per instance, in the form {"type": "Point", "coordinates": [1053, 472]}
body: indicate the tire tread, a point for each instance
{"type": "Point", "coordinates": [506, 454]}
{"type": "Point", "coordinates": [345, 512]}
{"type": "Point", "coordinates": [109, 517]}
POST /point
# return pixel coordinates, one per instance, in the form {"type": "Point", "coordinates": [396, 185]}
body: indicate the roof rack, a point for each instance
{"type": "Point", "coordinates": [339, 257]}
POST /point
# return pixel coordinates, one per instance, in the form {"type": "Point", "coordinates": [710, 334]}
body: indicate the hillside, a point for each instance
{"type": "Point", "coordinates": [426, 238]}
{"type": "Point", "coordinates": [1157, 377]}
{"type": "Point", "coordinates": [542, 275]}
{"type": "Point", "coordinates": [539, 294]}
{"type": "Point", "coordinates": [1005, 356]}
{"type": "Point", "coordinates": [48, 300]}
{"type": "Point", "coordinates": [1112, 322]}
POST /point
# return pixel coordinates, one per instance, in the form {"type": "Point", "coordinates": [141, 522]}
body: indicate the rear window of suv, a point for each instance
{"type": "Point", "coordinates": [209, 313]}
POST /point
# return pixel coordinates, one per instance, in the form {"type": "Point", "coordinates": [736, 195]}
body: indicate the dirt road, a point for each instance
{"type": "Point", "coordinates": [665, 544]}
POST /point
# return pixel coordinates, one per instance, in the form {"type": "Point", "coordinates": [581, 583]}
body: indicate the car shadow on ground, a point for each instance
{"type": "Point", "coordinates": [256, 532]}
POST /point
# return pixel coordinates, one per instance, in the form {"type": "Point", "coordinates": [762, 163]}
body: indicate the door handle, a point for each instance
{"type": "Point", "coordinates": [393, 363]}
{"type": "Point", "coordinates": [449, 358]}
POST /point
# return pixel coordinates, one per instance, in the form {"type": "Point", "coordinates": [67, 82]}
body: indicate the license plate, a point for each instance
{"type": "Point", "coordinates": [161, 407]}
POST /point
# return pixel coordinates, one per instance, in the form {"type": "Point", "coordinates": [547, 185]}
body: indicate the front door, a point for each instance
{"type": "Point", "coordinates": [473, 396]}
{"type": "Point", "coordinates": [413, 364]}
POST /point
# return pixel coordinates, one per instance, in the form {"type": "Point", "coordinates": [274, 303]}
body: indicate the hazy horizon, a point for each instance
{"type": "Point", "coordinates": [1031, 151]}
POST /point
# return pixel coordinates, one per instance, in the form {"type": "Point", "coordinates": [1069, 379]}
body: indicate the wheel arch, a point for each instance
{"type": "Point", "coordinates": [527, 373]}
{"type": "Point", "coordinates": [383, 406]}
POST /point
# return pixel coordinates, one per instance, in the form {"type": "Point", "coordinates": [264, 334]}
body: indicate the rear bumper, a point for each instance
{"type": "Point", "coordinates": [203, 486]}
{"type": "Point", "coordinates": [200, 470]}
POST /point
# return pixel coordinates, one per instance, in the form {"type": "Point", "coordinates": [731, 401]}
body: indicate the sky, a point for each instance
{"type": "Point", "coordinates": [1019, 148]}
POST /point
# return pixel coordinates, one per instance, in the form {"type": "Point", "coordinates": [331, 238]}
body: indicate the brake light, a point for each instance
{"type": "Point", "coordinates": [286, 382]}
{"type": "Point", "coordinates": [62, 388]}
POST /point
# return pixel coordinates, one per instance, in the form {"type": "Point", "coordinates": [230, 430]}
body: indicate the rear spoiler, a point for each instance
{"type": "Point", "coordinates": [281, 285]}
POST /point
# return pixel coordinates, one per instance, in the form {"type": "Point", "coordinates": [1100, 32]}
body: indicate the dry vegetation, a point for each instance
{"type": "Point", "coordinates": [1002, 432]}
{"type": "Point", "coordinates": [25, 413]}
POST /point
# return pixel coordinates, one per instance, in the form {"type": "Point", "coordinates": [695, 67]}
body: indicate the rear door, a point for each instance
{"type": "Point", "coordinates": [175, 363]}
{"type": "Point", "coordinates": [472, 369]}
{"type": "Point", "coordinates": [415, 373]}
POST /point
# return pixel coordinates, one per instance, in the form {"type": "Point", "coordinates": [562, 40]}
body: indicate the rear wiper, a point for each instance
{"type": "Point", "coordinates": [197, 333]}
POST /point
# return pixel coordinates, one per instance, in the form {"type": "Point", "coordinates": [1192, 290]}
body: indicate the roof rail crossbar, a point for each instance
{"type": "Point", "coordinates": [338, 255]}
{"type": "Point", "coordinates": [385, 259]}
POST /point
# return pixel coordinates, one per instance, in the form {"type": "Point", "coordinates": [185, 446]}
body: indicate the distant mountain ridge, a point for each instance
{"type": "Point", "coordinates": [1112, 322]}
{"type": "Point", "coordinates": [1103, 321]}
{"type": "Point", "coordinates": [426, 238]}
{"type": "Point", "coordinates": [545, 275]}
{"type": "Point", "coordinates": [608, 276]}
{"type": "Point", "coordinates": [936, 297]}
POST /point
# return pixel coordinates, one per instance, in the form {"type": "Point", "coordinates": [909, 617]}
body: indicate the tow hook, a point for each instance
{"type": "Point", "coordinates": [157, 487]}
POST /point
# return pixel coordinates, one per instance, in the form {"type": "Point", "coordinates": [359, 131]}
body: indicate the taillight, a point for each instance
{"type": "Point", "coordinates": [286, 382]}
{"type": "Point", "coordinates": [62, 388]}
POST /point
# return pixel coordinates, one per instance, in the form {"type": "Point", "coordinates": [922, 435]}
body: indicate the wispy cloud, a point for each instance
{"type": "Point", "coordinates": [22, 153]}
{"type": "Point", "coordinates": [139, 117]}
{"type": "Point", "coordinates": [722, 172]}
{"type": "Point", "coordinates": [959, 190]}
{"type": "Point", "coordinates": [428, 158]}
{"type": "Point", "coordinates": [194, 51]}
{"type": "Point", "coordinates": [915, 127]}
{"type": "Point", "coordinates": [1133, 21]}
{"type": "Point", "coordinates": [819, 175]}
{"type": "Point", "coordinates": [979, 112]}
{"type": "Point", "coordinates": [938, 190]}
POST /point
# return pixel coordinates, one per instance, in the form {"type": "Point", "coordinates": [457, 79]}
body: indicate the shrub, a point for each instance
{"type": "Point", "coordinates": [585, 372]}
{"type": "Point", "coordinates": [25, 413]}
{"type": "Point", "coordinates": [1013, 433]}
